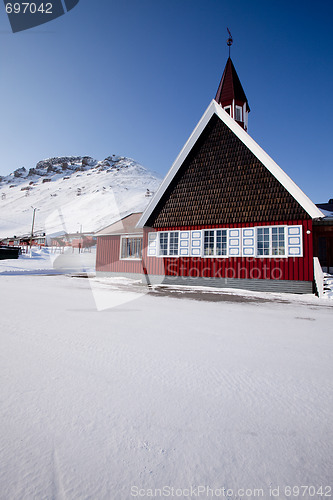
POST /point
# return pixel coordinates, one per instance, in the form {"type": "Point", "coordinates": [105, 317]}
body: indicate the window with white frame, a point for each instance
{"type": "Point", "coordinates": [215, 243]}
{"type": "Point", "coordinates": [228, 110]}
{"type": "Point", "coordinates": [239, 113]}
{"type": "Point", "coordinates": [169, 243]}
{"type": "Point", "coordinates": [271, 241]}
{"type": "Point", "coordinates": [131, 248]}
{"type": "Point", "coordinates": [262, 241]}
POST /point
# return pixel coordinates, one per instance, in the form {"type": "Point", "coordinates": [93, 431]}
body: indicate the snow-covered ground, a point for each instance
{"type": "Point", "coordinates": [48, 260]}
{"type": "Point", "coordinates": [162, 391]}
{"type": "Point", "coordinates": [51, 261]}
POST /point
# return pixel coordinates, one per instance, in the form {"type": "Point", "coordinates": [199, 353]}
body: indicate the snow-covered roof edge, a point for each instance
{"type": "Point", "coordinates": [125, 225]}
{"type": "Point", "coordinates": [265, 159]}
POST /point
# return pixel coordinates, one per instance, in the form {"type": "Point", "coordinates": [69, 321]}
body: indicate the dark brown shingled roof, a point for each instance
{"type": "Point", "coordinates": [230, 87]}
{"type": "Point", "coordinates": [222, 182]}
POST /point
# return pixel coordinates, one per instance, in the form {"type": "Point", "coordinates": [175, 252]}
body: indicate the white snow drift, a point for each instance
{"type": "Point", "coordinates": [161, 392]}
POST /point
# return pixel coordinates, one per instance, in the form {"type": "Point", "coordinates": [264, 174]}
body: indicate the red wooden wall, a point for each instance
{"type": "Point", "coordinates": [291, 268]}
{"type": "Point", "coordinates": [107, 257]}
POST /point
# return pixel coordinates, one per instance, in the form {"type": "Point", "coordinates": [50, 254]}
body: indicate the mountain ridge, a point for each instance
{"type": "Point", "coordinates": [73, 191]}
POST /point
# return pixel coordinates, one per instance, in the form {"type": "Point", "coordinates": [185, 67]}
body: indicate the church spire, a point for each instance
{"type": "Point", "coordinates": [230, 94]}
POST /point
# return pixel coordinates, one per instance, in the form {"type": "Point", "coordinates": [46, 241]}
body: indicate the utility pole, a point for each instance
{"type": "Point", "coordinates": [32, 229]}
{"type": "Point", "coordinates": [80, 238]}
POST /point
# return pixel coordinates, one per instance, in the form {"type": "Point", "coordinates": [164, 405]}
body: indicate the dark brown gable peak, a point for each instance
{"type": "Point", "coordinates": [223, 142]}
{"type": "Point", "coordinates": [222, 182]}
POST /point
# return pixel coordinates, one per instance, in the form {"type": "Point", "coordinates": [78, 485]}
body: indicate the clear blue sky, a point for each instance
{"type": "Point", "coordinates": [133, 78]}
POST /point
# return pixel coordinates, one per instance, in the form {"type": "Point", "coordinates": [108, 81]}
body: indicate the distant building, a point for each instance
{"type": "Point", "coordinates": [74, 240]}
{"type": "Point", "coordinates": [38, 239]}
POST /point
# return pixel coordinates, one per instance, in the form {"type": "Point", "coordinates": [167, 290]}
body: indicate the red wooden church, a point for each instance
{"type": "Point", "coordinates": [225, 215]}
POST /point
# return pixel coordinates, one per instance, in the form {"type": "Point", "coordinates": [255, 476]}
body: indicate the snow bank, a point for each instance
{"type": "Point", "coordinates": [50, 261]}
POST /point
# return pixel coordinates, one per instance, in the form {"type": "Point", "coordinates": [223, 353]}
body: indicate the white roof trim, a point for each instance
{"type": "Point", "coordinates": [265, 159]}
{"type": "Point", "coordinates": [130, 234]}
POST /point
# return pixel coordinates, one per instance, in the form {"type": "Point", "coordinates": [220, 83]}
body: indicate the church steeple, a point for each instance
{"type": "Point", "coordinates": [231, 96]}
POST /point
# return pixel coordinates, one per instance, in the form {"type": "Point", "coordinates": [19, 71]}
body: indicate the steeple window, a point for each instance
{"type": "Point", "coordinates": [239, 114]}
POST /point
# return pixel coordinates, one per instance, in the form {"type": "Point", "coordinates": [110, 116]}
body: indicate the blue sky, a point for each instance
{"type": "Point", "coordinates": [133, 78]}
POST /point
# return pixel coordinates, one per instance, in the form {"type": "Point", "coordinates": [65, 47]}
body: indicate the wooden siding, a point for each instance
{"type": "Point", "coordinates": [291, 268]}
{"type": "Point", "coordinates": [222, 182]}
{"type": "Point", "coordinates": [273, 286]}
{"type": "Point", "coordinates": [107, 258]}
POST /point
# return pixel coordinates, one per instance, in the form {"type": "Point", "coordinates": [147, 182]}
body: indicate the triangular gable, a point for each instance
{"type": "Point", "coordinates": [309, 207]}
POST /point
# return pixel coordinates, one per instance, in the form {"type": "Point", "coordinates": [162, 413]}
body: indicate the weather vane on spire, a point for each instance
{"type": "Point", "coordinates": [230, 40]}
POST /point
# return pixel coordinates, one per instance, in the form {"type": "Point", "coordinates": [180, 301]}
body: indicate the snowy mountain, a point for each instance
{"type": "Point", "coordinates": [73, 192]}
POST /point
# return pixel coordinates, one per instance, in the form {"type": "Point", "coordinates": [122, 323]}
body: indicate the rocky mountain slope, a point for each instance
{"type": "Point", "coordinates": [73, 193]}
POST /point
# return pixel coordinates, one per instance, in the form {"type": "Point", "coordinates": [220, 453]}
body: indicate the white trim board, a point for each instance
{"type": "Point", "coordinates": [250, 143]}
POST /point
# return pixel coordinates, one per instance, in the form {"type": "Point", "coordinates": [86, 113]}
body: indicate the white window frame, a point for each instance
{"type": "Point", "coordinates": [168, 244]}
{"type": "Point", "coordinates": [214, 256]}
{"type": "Point", "coordinates": [128, 237]}
{"type": "Point", "coordinates": [240, 109]}
{"type": "Point", "coordinates": [271, 255]}
{"type": "Point", "coordinates": [228, 108]}
{"type": "Point", "coordinates": [200, 242]}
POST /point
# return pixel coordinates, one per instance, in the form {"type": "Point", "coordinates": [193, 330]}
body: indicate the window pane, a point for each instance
{"type": "Point", "coordinates": [208, 242]}
{"type": "Point", "coordinates": [278, 246]}
{"type": "Point", "coordinates": [263, 241]}
{"type": "Point", "coordinates": [260, 241]}
{"type": "Point", "coordinates": [173, 243]}
{"type": "Point", "coordinates": [139, 248]}
{"type": "Point", "coordinates": [271, 241]}
{"type": "Point", "coordinates": [266, 240]}
{"type": "Point", "coordinates": [163, 244]}
{"type": "Point", "coordinates": [123, 248]}
{"type": "Point", "coordinates": [239, 114]}
{"type": "Point", "coordinates": [221, 242]}
{"type": "Point", "coordinates": [131, 248]}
